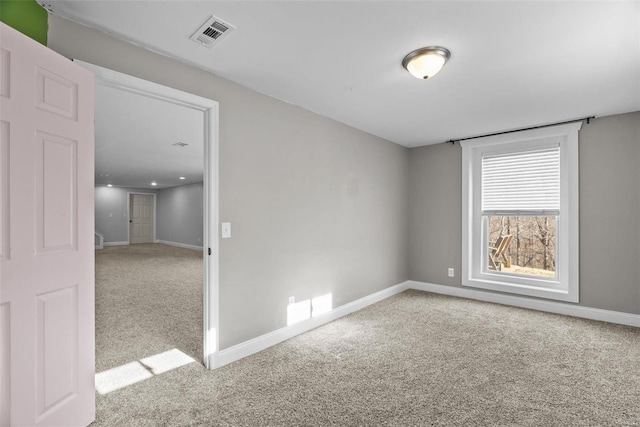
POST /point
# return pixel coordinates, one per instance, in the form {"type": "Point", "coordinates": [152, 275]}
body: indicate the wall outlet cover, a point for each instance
{"type": "Point", "coordinates": [226, 230]}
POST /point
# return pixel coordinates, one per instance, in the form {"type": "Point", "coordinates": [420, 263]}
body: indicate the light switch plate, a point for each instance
{"type": "Point", "coordinates": [226, 230]}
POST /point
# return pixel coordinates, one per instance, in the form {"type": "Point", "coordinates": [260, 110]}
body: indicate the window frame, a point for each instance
{"type": "Point", "coordinates": [565, 286]}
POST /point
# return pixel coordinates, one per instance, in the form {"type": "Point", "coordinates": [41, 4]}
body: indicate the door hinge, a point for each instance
{"type": "Point", "coordinates": [209, 251]}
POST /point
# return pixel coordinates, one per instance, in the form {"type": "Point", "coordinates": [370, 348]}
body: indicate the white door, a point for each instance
{"type": "Point", "coordinates": [47, 328]}
{"type": "Point", "coordinates": [142, 218]}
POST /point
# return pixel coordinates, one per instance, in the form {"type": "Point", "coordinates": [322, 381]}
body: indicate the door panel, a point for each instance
{"type": "Point", "coordinates": [56, 165]}
{"type": "Point", "coordinates": [57, 349]}
{"type": "Point", "coordinates": [147, 218]}
{"type": "Point", "coordinates": [56, 94]}
{"type": "Point", "coordinates": [5, 66]}
{"type": "Point", "coordinates": [142, 218]}
{"type": "Point", "coordinates": [4, 190]}
{"type": "Point", "coordinates": [135, 219]}
{"type": "Point", "coordinates": [46, 237]}
{"type": "Point", "coordinates": [5, 364]}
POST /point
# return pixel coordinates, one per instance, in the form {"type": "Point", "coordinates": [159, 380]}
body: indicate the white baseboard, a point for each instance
{"type": "Point", "coordinates": [265, 341]}
{"type": "Point", "coordinates": [179, 245]}
{"type": "Point", "coordinates": [115, 243]}
{"type": "Point", "coordinates": [534, 304]}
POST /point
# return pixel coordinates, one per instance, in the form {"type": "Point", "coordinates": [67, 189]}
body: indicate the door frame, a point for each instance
{"type": "Point", "coordinates": [155, 222]}
{"type": "Point", "coordinates": [210, 111]}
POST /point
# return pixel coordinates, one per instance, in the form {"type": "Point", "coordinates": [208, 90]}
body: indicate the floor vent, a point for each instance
{"type": "Point", "coordinates": [212, 31]}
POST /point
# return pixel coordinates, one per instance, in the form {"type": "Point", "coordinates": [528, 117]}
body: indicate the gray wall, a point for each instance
{"type": "Point", "coordinates": [316, 207]}
{"type": "Point", "coordinates": [180, 214]}
{"type": "Point", "coordinates": [609, 213]}
{"type": "Point", "coordinates": [435, 213]}
{"type": "Point", "coordinates": [319, 207]}
{"type": "Point", "coordinates": [113, 201]}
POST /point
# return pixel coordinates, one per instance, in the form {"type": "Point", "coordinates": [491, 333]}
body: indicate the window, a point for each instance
{"type": "Point", "coordinates": [520, 212]}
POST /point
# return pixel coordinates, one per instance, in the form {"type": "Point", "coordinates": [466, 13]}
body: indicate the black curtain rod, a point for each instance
{"type": "Point", "coordinates": [588, 119]}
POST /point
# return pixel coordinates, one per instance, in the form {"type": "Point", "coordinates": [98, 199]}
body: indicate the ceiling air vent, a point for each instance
{"type": "Point", "coordinates": [212, 31]}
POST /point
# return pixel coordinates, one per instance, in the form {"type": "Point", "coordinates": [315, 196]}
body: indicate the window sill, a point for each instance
{"type": "Point", "coordinates": [559, 293]}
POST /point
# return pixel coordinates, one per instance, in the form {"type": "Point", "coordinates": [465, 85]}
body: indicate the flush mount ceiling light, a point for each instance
{"type": "Point", "coordinates": [154, 183]}
{"type": "Point", "coordinates": [426, 62]}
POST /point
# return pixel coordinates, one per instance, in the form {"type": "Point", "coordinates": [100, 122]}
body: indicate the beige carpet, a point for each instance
{"type": "Point", "coordinates": [416, 359]}
{"type": "Point", "coordinates": [148, 300]}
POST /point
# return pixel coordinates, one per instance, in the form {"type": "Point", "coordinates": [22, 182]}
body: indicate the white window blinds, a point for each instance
{"type": "Point", "coordinates": [522, 183]}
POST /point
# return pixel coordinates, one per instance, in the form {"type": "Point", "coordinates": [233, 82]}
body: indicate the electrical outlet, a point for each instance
{"type": "Point", "coordinates": [292, 300]}
{"type": "Point", "coordinates": [451, 272]}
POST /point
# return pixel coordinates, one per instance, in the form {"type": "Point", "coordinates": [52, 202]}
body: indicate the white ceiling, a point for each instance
{"type": "Point", "coordinates": [514, 63]}
{"type": "Point", "coordinates": [135, 136]}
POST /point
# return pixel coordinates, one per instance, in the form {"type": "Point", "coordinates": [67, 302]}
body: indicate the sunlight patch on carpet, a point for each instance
{"type": "Point", "coordinates": [134, 372]}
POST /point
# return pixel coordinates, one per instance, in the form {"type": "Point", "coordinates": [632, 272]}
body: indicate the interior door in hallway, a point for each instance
{"type": "Point", "coordinates": [47, 331]}
{"type": "Point", "coordinates": [142, 218]}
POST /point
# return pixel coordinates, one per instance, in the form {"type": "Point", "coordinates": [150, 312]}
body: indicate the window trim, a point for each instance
{"type": "Point", "coordinates": [565, 287]}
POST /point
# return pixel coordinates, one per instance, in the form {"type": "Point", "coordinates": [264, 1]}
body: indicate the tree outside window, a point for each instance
{"type": "Point", "coordinates": [533, 248]}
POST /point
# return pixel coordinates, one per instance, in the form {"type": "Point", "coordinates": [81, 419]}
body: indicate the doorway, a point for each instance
{"type": "Point", "coordinates": [208, 110]}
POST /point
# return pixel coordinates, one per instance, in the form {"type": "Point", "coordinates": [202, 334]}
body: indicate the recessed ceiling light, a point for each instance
{"type": "Point", "coordinates": [109, 185]}
{"type": "Point", "coordinates": [154, 183]}
{"type": "Point", "coordinates": [182, 177]}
